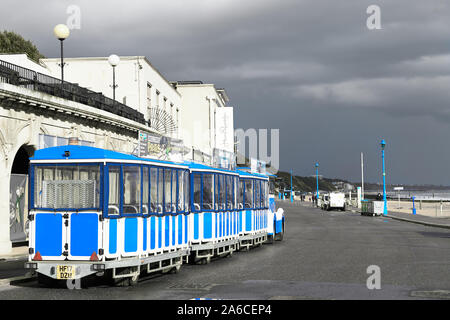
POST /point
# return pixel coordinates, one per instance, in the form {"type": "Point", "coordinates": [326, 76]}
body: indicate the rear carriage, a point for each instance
{"type": "Point", "coordinates": [253, 201]}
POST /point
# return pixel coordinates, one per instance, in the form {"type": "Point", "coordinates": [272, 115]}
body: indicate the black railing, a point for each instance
{"type": "Point", "coordinates": [23, 77]}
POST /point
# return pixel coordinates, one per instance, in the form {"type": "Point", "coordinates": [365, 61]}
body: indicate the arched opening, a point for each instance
{"type": "Point", "coordinates": [18, 196]}
{"type": "Point", "coordinates": [22, 160]}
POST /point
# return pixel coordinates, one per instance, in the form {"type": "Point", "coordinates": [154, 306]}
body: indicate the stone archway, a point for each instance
{"type": "Point", "coordinates": [18, 194]}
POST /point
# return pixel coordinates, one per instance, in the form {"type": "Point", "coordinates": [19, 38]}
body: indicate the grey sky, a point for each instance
{"type": "Point", "coordinates": [311, 68]}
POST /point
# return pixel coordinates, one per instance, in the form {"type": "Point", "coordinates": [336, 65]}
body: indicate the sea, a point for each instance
{"type": "Point", "coordinates": [430, 195]}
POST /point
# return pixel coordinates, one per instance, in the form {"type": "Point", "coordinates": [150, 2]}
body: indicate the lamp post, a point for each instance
{"type": "Point", "coordinates": [383, 145]}
{"type": "Point", "coordinates": [61, 32]}
{"type": "Point", "coordinates": [114, 61]}
{"type": "Point", "coordinates": [292, 196]}
{"type": "Point", "coordinates": [317, 183]}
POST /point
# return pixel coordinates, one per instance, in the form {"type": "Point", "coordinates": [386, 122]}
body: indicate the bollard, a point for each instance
{"type": "Point", "coordinates": [413, 208]}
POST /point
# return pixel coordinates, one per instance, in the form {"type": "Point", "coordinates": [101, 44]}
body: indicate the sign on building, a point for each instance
{"type": "Point", "coordinates": [161, 147]}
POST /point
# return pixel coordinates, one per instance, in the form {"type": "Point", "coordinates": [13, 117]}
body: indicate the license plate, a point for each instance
{"type": "Point", "coordinates": [65, 272]}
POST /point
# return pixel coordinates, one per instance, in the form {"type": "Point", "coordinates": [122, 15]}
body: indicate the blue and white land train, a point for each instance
{"type": "Point", "coordinates": [95, 211]}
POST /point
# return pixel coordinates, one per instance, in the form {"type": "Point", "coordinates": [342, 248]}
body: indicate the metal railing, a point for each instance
{"type": "Point", "coordinates": [23, 77]}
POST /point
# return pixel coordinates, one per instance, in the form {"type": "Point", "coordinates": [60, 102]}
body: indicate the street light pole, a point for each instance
{"type": "Point", "coordinates": [383, 145]}
{"type": "Point", "coordinates": [61, 32]}
{"type": "Point", "coordinates": [292, 196]}
{"type": "Point", "coordinates": [317, 183]}
{"type": "Point", "coordinates": [114, 61]}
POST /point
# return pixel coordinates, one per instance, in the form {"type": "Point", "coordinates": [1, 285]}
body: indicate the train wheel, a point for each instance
{"type": "Point", "coordinates": [175, 269]}
{"type": "Point", "coordinates": [133, 280]}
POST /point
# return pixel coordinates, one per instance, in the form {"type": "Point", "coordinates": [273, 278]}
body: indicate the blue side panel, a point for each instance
{"type": "Point", "coordinates": [220, 224]}
{"type": "Point", "coordinates": [186, 224]}
{"type": "Point", "coordinates": [144, 236]}
{"type": "Point", "coordinates": [241, 215]}
{"type": "Point", "coordinates": [49, 234]}
{"type": "Point", "coordinates": [278, 226]}
{"type": "Point", "coordinates": [248, 220]}
{"type": "Point", "coordinates": [217, 224]}
{"type": "Point", "coordinates": [180, 229]}
{"type": "Point", "coordinates": [207, 225]}
{"type": "Point", "coordinates": [83, 234]}
{"type": "Point", "coordinates": [166, 231]}
{"type": "Point", "coordinates": [152, 233]}
{"type": "Point", "coordinates": [160, 232]}
{"type": "Point", "coordinates": [195, 226]}
{"type": "Point", "coordinates": [174, 222]}
{"type": "Point", "coordinates": [112, 236]}
{"type": "Point", "coordinates": [131, 232]}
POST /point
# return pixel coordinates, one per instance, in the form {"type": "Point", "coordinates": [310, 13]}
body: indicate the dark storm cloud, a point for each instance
{"type": "Point", "coordinates": [308, 67]}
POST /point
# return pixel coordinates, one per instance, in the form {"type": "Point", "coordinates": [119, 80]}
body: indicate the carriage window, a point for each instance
{"type": "Point", "coordinates": [61, 187]}
{"type": "Point", "coordinates": [216, 191]}
{"type": "Point", "coordinates": [154, 190]}
{"type": "Point", "coordinates": [241, 194]}
{"type": "Point", "coordinates": [266, 194]}
{"type": "Point", "coordinates": [197, 191]}
{"type": "Point", "coordinates": [180, 202]}
{"type": "Point", "coordinates": [248, 193]}
{"type": "Point", "coordinates": [208, 184]}
{"type": "Point", "coordinates": [131, 189]}
{"type": "Point", "coordinates": [174, 190]}
{"type": "Point", "coordinates": [186, 191]}
{"type": "Point", "coordinates": [145, 188]}
{"type": "Point", "coordinates": [114, 190]}
{"type": "Point", "coordinates": [159, 204]}
{"type": "Point", "coordinates": [230, 197]}
{"type": "Point", "coordinates": [168, 190]}
{"type": "Point", "coordinates": [257, 194]}
{"type": "Point", "coordinates": [222, 192]}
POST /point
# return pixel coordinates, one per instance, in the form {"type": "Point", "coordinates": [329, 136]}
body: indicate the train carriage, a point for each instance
{"type": "Point", "coordinates": [106, 211]}
{"type": "Point", "coordinates": [254, 204]}
{"type": "Point", "coordinates": [95, 211]}
{"type": "Point", "coordinates": [214, 218]}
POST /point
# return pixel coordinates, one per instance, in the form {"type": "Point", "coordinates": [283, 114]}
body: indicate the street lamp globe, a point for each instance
{"type": "Point", "coordinates": [317, 164]}
{"type": "Point", "coordinates": [61, 31]}
{"type": "Point", "coordinates": [113, 60]}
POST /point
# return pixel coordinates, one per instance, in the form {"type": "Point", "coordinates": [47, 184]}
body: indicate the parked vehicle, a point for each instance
{"type": "Point", "coordinates": [333, 200]}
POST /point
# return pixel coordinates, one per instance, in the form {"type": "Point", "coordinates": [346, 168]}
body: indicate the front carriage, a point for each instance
{"type": "Point", "coordinates": [93, 210]}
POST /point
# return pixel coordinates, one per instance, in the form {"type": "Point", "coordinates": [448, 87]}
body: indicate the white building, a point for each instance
{"type": "Point", "coordinates": [34, 115]}
{"type": "Point", "coordinates": [139, 85]}
{"type": "Point", "coordinates": [208, 128]}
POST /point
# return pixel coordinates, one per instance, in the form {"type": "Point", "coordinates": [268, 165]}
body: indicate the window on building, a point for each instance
{"type": "Point", "coordinates": [149, 95]}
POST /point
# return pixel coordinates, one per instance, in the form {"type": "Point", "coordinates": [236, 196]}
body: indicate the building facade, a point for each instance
{"type": "Point", "coordinates": [38, 111]}
{"type": "Point", "coordinates": [139, 85]}
{"type": "Point", "coordinates": [208, 122]}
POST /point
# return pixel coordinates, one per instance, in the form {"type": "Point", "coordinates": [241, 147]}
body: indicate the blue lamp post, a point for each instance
{"type": "Point", "coordinates": [292, 196]}
{"type": "Point", "coordinates": [383, 145]}
{"type": "Point", "coordinates": [317, 183]}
